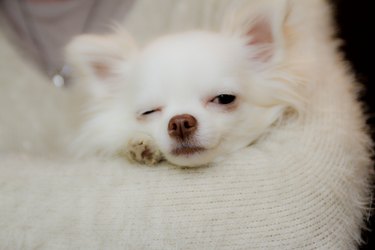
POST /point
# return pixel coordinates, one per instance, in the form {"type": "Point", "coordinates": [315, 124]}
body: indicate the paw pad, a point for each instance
{"type": "Point", "coordinates": [144, 151]}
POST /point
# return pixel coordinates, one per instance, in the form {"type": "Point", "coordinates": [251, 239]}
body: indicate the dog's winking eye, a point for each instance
{"type": "Point", "coordinates": [224, 99]}
{"type": "Point", "coordinates": [149, 112]}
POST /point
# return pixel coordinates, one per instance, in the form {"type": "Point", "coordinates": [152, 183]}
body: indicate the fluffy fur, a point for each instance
{"type": "Point", "coordinates": [305, 186]}
{"type": "Point", "coordinates": [136, 92]}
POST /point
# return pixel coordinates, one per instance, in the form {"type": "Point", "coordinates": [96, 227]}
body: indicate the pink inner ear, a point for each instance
{"type": "Point", "coordinates": [261, 36]}
{"type": "Point", "coordinates": [101, 70]}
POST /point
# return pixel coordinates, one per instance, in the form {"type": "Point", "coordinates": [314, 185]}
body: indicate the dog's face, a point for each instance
{"type": "Point", "coordinates": [192, 97]}
{"type": "Point", "coordinates": [198, 95]}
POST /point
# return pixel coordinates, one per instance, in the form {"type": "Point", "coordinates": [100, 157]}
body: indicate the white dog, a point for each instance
{"type": "Point", "coordinates": [189, 98]}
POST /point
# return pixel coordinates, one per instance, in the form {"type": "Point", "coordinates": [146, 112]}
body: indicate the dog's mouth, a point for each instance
{"type": "Point", "coordinates": [187, 150]}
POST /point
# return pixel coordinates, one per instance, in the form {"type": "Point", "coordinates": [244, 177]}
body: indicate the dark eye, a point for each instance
{"type": "Point", "coordinates": [224, 99]}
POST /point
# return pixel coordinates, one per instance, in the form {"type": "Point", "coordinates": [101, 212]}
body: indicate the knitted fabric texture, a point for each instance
{"type": "Point", "coordinates": [303, 186]}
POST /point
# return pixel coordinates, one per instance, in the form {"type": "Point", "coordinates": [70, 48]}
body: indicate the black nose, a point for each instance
{"type": "Point", "coordinates": [181, 127]}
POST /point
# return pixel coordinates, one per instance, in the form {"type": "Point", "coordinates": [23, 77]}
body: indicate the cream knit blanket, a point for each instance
{"type": "Point", "coordinates": [305, 186]}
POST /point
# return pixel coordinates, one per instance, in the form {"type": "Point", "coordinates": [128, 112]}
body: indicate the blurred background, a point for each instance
{"type": "Point", "coordinates": [353, 20]}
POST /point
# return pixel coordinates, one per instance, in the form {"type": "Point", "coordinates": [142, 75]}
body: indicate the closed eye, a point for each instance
{"type": "Point", "coordinates": [150, 111]}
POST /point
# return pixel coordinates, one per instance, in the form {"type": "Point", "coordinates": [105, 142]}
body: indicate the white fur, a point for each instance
{"type": "Point", "coordinates": [181, 74]}
{"type": "Point", "coordinates": [305, 186]}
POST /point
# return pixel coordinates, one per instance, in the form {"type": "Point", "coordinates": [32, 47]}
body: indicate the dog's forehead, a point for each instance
{"type": "Point", "coordinates": [193, 58]}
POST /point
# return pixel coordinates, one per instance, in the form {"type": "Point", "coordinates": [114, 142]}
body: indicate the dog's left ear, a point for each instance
{"type": "Point", "coordinates": [265, 29]}
{"type": "Point", "coordinates": [262, 26]}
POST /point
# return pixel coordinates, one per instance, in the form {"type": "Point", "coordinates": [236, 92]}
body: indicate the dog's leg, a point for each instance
{"type": "Point", "coordinates": [142, 149]}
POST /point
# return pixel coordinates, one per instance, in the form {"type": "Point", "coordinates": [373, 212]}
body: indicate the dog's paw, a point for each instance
{"type": "Point", "coordinates": [143, 150]}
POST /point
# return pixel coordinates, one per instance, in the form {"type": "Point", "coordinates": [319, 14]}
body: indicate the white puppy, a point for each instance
{"type": "Point", "coordinates": [190, 98]}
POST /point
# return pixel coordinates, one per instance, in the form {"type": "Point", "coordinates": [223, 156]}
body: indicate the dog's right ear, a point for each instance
{"type": "Point", "coordinates": [101, 59]}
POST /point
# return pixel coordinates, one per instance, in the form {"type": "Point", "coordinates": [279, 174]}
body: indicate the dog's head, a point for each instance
{"type": "Point", "coordinates": [198, 94]}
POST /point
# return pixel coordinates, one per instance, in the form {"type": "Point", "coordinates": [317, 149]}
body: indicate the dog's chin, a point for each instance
{"type": "Point", "coordinates": [187, 151]}
{"type": "Point", "coordinates": [190, 156]}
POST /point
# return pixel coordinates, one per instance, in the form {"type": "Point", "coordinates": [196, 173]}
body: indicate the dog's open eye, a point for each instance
{"type": "Point", "coordinates": [224, 99]}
